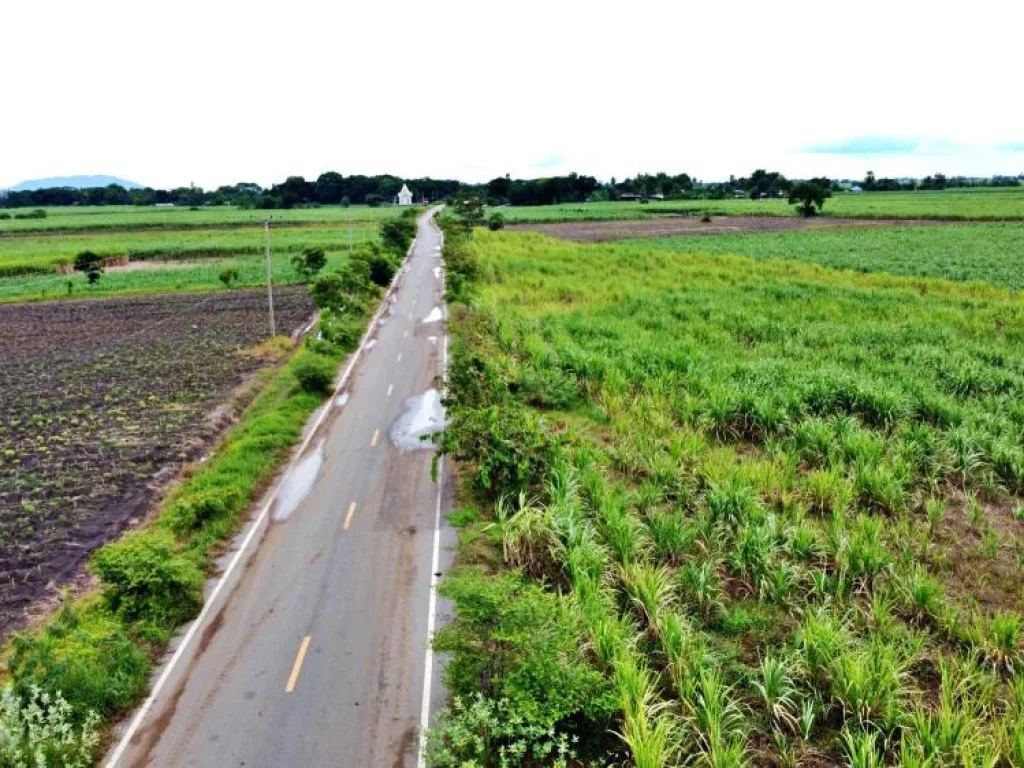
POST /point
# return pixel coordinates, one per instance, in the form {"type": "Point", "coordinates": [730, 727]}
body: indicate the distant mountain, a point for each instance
{"type": "Point", "coordinates": [78, 182]}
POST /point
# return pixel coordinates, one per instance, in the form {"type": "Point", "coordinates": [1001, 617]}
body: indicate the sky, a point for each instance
{"type": "Point", "coordinates": [216, 91]}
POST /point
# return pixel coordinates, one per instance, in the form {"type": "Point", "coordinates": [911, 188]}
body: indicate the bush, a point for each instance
{"type": "Point", "coordinates": [85, 655]}
{"type": "Point", "coordinates": [397, 234]}
{"type": "Point", "coordinates": [147, 580]}
{"type": "Point", "coordinates": [309, 263]}
{"type": "Point", "coordinates": [519, 646]}
{"type": "Point", "coordinates": [5, 215]}
{"type": "Point", "coordinates": [328, 291]}
{"type": "Point", "coordinates": [38, 730]}
{"type": "Point", "coordinates": [228, 276]}
{"type": "Point", "coordinates": [91, 264]}
{"type": "Point", "coordinates": [496, 222]}
{"type": "Point", "coordinates": [507, 446]}
{"type": "Point", "coordinates": [315, 373]}
{"type": "Point", "coordinates": [382, 270]}
{"type": "Point", "coordinates": [194, 510]}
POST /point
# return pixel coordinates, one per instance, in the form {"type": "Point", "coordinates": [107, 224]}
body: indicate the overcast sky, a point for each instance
{"type": "Point", "coordinates": [214, 92]}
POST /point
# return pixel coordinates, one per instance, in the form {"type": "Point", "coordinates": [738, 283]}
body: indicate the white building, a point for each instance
{"type": "Point", "coordinates": [404, 196]}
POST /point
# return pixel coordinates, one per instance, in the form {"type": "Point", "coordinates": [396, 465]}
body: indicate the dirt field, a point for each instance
{"type": "Point", "coordinates": [102, 401]}
{"type": "Point", "coordinates": [600, 231]}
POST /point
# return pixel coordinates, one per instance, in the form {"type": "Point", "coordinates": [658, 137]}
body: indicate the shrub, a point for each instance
{"type": "Point", "coordinates": [309, 263]}
{"type": "Point", "coordinates": [39, 730]}
{"type": "Point", "coordinates": [382, 270]}
{"type": "Point", "coordinates": [397, 234]}
{"type": "Point", "coordinates": [515, 642]}
{"type": "Point", "coordinates": [228, 276]}
{"type": "Point", "coordinates": [147, 580]}
{"type": "Point", "coordinates": [508, 447]}
{"type": "Point", "coordinates": [484, 732]}
{"type": "Point", "coordinates": [315, 373]}
{"type": "Point", "coordinates": [91, 264]}
{"type": "Point", "coordinates": [194, 510]}
{"type": "Point", "coordinates": [87, 656]}
{"type": "Point", "coordinates": [496, 222]}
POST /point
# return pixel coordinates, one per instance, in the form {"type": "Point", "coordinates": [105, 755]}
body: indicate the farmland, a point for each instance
{"type": "Point", "coordinates": [155, 250]}
{"type": "Point", "coordinates": [104, 398]}
{"type": "Point", "coordinates": [780, 503]}
{"type": "Point", "coordinates": [956, 204]}
{"type": "Point", "coordinates": [986, 252]}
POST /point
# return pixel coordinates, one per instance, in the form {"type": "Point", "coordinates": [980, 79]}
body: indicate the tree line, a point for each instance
{"type": "Point", "coordinates": [332, 188]}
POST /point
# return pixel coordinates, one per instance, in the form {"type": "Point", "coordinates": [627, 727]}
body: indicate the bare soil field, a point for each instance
{"type": "Point", "coordinates": [103, 401]}
{"type": "Point", "coordinates": [601, 231]}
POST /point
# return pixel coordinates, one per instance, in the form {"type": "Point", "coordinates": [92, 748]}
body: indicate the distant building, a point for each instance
{"type": "Point", "coordinates": [404, 196]}
{"type": "Point", "coordinates": [856, 188]}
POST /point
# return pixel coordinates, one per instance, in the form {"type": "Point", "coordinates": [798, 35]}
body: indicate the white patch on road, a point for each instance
{"type": "Point", "coordinates": [299, 482]}
{"type": "Point", "coordinates": [435, 316]}
{"type": "Point", "coordinates": [437, 273]}
{"type": "Point", "coordinates": [422, 416]}
{"type": "Point", "coordinates": [340, 400]}
{"type": "Point", "coordinates": [371, 344]}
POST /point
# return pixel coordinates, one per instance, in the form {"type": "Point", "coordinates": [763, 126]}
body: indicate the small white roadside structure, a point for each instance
{"type": "Point", "coordinates": [404, 196]}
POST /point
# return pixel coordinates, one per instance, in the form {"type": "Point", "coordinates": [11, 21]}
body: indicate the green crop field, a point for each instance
{"type": "Point", "coordinates": [127, 217]}
{"type": "Point", "coordinates": [991, 252]}
{"type": "Point", "coordinates": [976, 203]}
{"type": "Point", "coordinates": [171, 249]}
{"type": "Point", "coordinates": [750, 512]}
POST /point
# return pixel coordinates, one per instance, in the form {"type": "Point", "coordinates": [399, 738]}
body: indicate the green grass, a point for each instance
{"type": "Point", "coordinates": [980, 204]}
{"type": "Point", "coordinates": [219, 238]}
{"type": "Point", "coordinates": [128, 217]}
{"type": "Point", "coordinates": [992, 253]}
{"type": "Point", "coordinates": [730, 469]}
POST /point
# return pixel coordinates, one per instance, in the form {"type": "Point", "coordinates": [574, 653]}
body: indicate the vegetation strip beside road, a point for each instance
{"type": "Point", "coordinates": [90, 663]}
{"type": "Point", "coordinates": [783, 503]}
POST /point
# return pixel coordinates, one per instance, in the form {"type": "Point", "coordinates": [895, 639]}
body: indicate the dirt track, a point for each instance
{"type": "Point", "coordinates": [600, 231]}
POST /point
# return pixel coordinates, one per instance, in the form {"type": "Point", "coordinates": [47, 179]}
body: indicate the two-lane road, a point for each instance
{"type": "Point", "coordinates": [315, 653]}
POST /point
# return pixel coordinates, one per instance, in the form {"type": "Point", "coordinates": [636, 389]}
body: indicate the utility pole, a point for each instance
{"type": "Point", "coordinates": [270, 289]}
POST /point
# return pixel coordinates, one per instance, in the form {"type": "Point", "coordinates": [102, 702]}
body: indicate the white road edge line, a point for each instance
{"type": "Point", "coordinates": [428, 658]}
{"type": "Point", "coordinates": [147, 705]}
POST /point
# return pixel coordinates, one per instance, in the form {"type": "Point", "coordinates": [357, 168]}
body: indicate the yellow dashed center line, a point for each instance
{"type": "Point", "coordinates": [376, 436]}
{"type": "Point", "coordinates": [391, 388]}
{"type": "Point", "coordinates": [348, 515]}
{"type": "Point", "coordinates": [297, 666]}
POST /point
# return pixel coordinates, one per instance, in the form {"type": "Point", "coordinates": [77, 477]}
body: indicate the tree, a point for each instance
{"type": "Point", "coordinates": [309, 263]}
{"type": "Point", "coordinates": [496, 222]}
{"type": "Point", "coordinates": [91, 264]}
{"type": "Point", "coordinates": [809, 196]}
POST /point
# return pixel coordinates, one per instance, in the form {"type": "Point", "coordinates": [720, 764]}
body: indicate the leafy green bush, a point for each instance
{"type": "Point", "coordinates": [195, 510]}
{"type": "Point", "coordinates": [84, 654]}
{"type": "Point", "coordinates": [397, 234]}
{"type": "Point", "coordinates": [145, 579]}
{"type": "Point", "coordinates": [519, 646]}
{"type": "Point", "coordinates": [508, 447]}
{"type": "Point", "coordinates": [39, 730]}
{"type": "Point", "coordinates": [484, 732]}
{"type": "Point", "coordinates": [495, 222]}
{"type": "Point", "coordinates": [309, 263]}
{"type": "Point", "coordinates": [315, 373]}
{"type": "Point", "coordinates": [228, 276]}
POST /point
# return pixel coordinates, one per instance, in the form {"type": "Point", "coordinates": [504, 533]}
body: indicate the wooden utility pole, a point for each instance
{"type": "Point", "coordinates": [270, 288]}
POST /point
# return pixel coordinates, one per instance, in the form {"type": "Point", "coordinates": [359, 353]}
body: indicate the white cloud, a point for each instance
{"type": "Point", "coordinates": [217, 91]}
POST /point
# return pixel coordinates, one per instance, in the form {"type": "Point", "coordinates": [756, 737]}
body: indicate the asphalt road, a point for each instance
{"type": "Point", "coordinates": [313, 651]}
